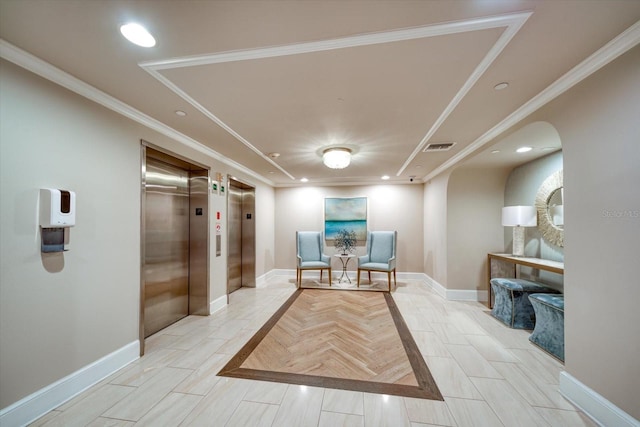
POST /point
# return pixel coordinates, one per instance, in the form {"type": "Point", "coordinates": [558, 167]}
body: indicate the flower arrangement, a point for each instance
{"type": "Point", "coordinates": [345, 241]}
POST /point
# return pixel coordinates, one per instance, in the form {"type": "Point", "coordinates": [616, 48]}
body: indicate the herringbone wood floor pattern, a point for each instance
{"type": "Point", "coordinates": [336, 334]}
{"type": "Point", "coordinates": [337, 339]}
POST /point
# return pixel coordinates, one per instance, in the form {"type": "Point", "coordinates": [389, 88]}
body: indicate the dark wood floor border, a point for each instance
{"type": "Point", "coordinates": [246, 350]}
{"type": "Point", "coordinates": [426, 389]}
{"type": "Point", "coordinates": [420, 368]}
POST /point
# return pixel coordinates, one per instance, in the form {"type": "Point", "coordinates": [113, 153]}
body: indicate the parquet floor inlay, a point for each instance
{"type": "Point", "coordinates": [337, 339]}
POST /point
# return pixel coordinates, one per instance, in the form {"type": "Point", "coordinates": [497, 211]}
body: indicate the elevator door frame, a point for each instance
{"type": "Point", "coordinates": [249, 256]}
{"type": "Point", "coordinates": [199, 302]}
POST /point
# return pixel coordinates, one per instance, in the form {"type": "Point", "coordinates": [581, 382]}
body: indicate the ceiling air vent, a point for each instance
{"type": "Point", "coordinates": [440, 146]}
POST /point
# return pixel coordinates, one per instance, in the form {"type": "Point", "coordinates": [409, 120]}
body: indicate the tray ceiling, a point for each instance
{"type": "Point", "coordinates": [382, 78]}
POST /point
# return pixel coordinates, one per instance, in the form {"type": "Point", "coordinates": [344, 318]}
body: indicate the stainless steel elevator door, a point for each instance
{"type": "Point", "coordinates": [234, 261]}
{"type": "Point", "coordinates": [166, 239]}
{"type": "Point", "coordinates": [241, 243]}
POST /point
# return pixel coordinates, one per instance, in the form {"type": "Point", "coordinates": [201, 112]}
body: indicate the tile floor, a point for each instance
{"type": "Point", "coordinates": [490, 375]}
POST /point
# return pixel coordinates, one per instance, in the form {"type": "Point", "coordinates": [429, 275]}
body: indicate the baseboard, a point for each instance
{"type": "Point", "coordinates": [307, 274]}
{"type": "Point", "coordinates": [448, 294]}
{"type": "Point", "coordinates": [262, 281]}
{"type": "Point", "coordinates": [337, 272]}
{"type": "Point", "coordinates": [455, 294]}
{"type": "Point", "coordinates": [217, 304]}
{"type": "Point", "coordinates": [466, 295]}
{"type": "Point", "coordinates": [435, 286]}
{"type": "Point", "coordinates": [50, 397]}
{"type": "Point", "coordinates": [602, 411]}
{"type": "Point", "coordinates": [411, 276]}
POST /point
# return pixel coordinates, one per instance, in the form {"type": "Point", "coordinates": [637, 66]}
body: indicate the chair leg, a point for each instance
{"type": "Point", "coordinates": [358, 278]}
{"type": "Point", "coordinates": [330, 276]}
{"type": "Point", "coordinates": [369, 275]}
{"type": "Point", "coordinates": [395, 283]}
{"type": "Point", "coordinates": [321, 270]}
{"type": "Point", "coordinates": [298, 277]}
{"type": "Point", "coordinates": [389, 280]}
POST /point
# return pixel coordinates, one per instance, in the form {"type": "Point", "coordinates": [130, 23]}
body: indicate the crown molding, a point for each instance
{"type": "Point", "coordinates": [603, 56]}
{"type": "Point", "coordinates": [43, 69]}
{"type": "Point", "coordinates": [340, 183]}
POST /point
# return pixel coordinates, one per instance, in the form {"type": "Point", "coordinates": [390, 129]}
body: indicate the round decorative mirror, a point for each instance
{"type": "Point", "coordinates": [550, 206]}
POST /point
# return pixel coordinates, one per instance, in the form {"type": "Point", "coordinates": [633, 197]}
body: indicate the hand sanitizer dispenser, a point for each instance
{"type": "Point", "coordinates": [57, 208]}
{"type": "Point", "coordinates": [57, 214]}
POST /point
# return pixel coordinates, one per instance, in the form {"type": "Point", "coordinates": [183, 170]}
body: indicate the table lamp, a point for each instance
{"type": "Point", "coordinates": [519, 217]}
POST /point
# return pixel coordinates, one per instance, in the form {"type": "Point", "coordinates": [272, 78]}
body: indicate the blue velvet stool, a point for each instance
{"type": "Point", "coordinates": [549, 331]}
{"type": "Point", "coordinates": [512, 305]}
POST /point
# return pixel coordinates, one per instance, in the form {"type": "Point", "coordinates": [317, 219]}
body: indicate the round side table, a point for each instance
{"type": "Point", "coordinates": [345, 261]}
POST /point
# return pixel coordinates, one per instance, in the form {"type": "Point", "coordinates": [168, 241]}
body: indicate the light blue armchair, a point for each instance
{"type": "Point", "coordinates": [309, 249]}
{"type": "Point", "coordinates": [380, 256]}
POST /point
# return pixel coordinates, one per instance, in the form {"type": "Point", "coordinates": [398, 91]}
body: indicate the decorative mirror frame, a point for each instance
{"type": "Point", "coordinates": [550, 232]}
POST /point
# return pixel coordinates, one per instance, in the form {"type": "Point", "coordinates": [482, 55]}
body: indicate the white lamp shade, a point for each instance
{"type": "Point", "coordinates": [522, 216]}
{"type": "Point", "coordinates": [336, 158]}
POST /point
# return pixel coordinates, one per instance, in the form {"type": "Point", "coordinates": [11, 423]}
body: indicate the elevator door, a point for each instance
{"type": "Point", "coordinates": [241, 244]}
{"type": "Point", "coordinates": [166, 263]}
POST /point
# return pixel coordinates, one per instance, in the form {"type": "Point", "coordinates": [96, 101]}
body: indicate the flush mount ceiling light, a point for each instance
{"type": "Point", "coordinates": [501, 86]}
{"type": "Point", "coordinates": [336, 157]}
{"type": "Point", "coordinates": [138, 35]}
{"type": "Point", "coordinates": [523, 149]}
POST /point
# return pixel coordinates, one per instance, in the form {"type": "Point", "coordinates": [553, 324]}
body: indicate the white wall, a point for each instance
{"type": "Point", "coordinates": [474, 203]}
{"type": "Point", "coordinates": [599, 128]}
{"type": "Point", "coordinates": [62, 311]}
{"type": "Point", "coordinates": [521, 189]}
{"type": "Point", "coordinates": [435, 228]}
{"type": "Point", "coordinates": [390, 207]}
{"type": "Point", "coordinates": [600, 134]}
{"type": "Point", "coordinates": [59, 313]}
{"type": "Point", "coordinates": [265, 230]}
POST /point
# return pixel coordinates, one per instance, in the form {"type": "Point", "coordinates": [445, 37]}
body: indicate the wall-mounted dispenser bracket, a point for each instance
{"type": "Point", "coordinates": [57, 214]}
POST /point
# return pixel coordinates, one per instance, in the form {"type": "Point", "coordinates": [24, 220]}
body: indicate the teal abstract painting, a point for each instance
{"type": "Point", "coordinates": [345, 213]}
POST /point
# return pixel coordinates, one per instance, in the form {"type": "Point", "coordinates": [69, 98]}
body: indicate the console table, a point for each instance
{"type": "Point", "coordinates": [496, 267]}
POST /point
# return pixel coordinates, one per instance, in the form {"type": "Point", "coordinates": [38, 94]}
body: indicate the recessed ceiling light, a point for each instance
{"type": "Point", "coordinates": [304, 180]}
{"type": "Point", "coordinates": [385, 177]}
{"type": "Point", "coordinates": [495, 151]}
{"type": "Point", "coordinates": [501, 86]}
{"type": "Point", "coordinates": [274, 155]}
{"type": "Point", "coordinates": [523, 149]}
{"type": "Point", "coordinates": [137, 34]}
{"type": "Point", "coordinates": [180, 113]}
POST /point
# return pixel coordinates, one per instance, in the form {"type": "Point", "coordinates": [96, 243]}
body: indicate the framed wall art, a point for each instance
{"type": "Point", "coordinates": [345, 214]}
